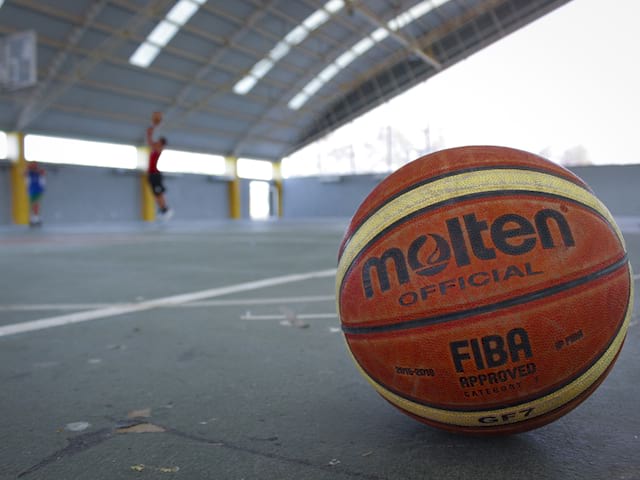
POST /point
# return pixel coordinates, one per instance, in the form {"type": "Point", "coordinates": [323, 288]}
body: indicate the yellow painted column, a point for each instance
{"type": "Point", "coordinates": [19, 195]}
{"type": "Point", "coordinates": [277, 178]}
{"type": "Point", "coordinates": [147, 202]}
{"type": "Point", "coordinates": [235, 199]}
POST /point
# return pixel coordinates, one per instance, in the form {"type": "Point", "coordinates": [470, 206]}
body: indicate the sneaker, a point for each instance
{"type": "Point", "coordinates": [167, 214]}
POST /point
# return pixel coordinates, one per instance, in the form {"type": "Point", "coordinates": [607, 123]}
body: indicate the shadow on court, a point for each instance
{"type": "Point", "coordinates": [214, 351]}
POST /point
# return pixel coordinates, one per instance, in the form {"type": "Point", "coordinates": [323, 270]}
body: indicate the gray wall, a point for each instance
{"type": "Point", "coordinates": [88, 194]}
{"type": "Point", "coordinates": [616, 186]}
{"type": "Point", "coordinates": [5, 193]}
{"type": "Point", "coordinates": [197, 197]}
{"type": "Point", "coordinates": [326, 197]}
{"type": "Point", "coordinates": [244, 198]}
{"type": "Point", "coordinates": [78, 194]}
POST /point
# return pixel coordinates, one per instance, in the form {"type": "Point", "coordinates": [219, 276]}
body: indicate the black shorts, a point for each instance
{"type": "Point", "coordinates": [155, 180]}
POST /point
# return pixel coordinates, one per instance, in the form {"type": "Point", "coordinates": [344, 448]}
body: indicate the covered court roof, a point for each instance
{"type": "Point", "coordinates": [248, 78]}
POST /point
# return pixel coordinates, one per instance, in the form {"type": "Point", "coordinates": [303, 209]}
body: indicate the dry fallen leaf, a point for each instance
{"type": "Point", "coordinates": [141, 428]}
{"type": "Point", "coordinates": [143, 412]}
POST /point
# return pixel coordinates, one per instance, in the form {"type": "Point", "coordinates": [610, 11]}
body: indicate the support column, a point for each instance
{"type": "Point", "coordinates": [19, 196]}
{"type": "Point", "coordinates": [147, 202]}
{"type": "Point", "coordinates": [277, 178]}
{"type": "Point", "coordinates": [235, 199]}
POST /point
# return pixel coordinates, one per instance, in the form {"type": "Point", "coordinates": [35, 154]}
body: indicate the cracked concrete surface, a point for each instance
{"type": "Point", "coordinates": [199, 392]}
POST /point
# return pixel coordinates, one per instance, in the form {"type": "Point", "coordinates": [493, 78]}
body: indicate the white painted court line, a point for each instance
{"type": "Point", "coordinates": [24, 307]}
{"type": "Point", "coordinates": [195, 304]}
{"type": "Point", "coordinates": [112, 311]}
{"type": "Point", "coordinates": [262, 301]}
{"type": "Point", "coordinates": [206, 303]}
{"type": "Point", "coordinates": [299, 316]}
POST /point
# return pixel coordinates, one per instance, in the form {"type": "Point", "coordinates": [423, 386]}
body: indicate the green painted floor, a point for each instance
{"type": "Point", "coordinates": [164, 358]}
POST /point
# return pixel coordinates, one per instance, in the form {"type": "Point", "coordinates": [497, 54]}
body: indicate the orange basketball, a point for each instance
{"type": "Point", "coordinates": [484, 290]}
{"type": "Point", "coordinates": [156, 118]}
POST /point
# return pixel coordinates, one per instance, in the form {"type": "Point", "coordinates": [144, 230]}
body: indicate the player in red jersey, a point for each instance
{"type": "Point", "coordinates": [153, 174]}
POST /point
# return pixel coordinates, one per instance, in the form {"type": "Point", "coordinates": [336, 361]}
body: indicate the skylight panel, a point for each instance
{"type": "Point", "coordinates": [379, 34]}
{"type": "Point", "coordinates": [296, 102]}
{"type": "Point", "coordinates": [283, 47]}
{"type": "Point", "coordinates": [245, 85]}
{"type": "Point", "coordinates": [332, 6]}
{"type": "Point", "coordinates": [422, 8]}
{"type": "Point", "coordinates": [345, 59]}
{"type": "Point", "coordinates": [296, 35]}
{"type": "Point", "coordinates": [144, 55]}
{"type": "Point", "coordinates": [163, 33]}
{"type": "Point", "coordinates": [415, 12]}
{"type": "Point", "coordinates": [316, 19]}
{"type": "Point", "coordinates": [279, 51]}
{"type": "Point", "coordinates": [313, 86]}
{"type": "Point", "coordinates": [362, 46]}
{"type": "Point", "coordinates": [329, 72]}
{"type": "Point", "coordinates": [182, 12]}
{"type": "Point", "coordinates": [400, 21]}
{"type": "Point", "coordinates": [261, 68]}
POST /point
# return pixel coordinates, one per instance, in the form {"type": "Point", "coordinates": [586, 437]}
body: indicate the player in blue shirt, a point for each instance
{"type": "Point", "coordinates": [35, 177]}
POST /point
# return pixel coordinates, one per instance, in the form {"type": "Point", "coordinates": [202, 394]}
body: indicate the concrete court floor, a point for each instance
{"type": "Point", "coordinates": [227, 384]}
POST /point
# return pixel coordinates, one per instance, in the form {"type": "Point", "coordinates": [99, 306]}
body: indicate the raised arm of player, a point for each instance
{"type": "Point", "coordinates": [150, 136]}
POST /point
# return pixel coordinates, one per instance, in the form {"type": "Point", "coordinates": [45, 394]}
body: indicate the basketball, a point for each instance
{"type": "Point", "coordinates": [484, 290]}
{"type": "Point", "coordinates": [156, 118]}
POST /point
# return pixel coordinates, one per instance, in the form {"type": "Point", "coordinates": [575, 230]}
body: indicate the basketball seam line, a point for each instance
{"type": "Point", "coordinates": [515, 402]}
{"type": "Point", "coordinates": [452, 201]}
{"type": "Point", "coordinates": [462, 171]}
{"type": "Point", "coordinates": [529, 297]}
{"type": "Point", "coordinates": [580, 397]}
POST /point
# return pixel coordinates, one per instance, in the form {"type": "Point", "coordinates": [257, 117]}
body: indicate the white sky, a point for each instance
{"type": "Point", "coordinates": [569, 79]}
